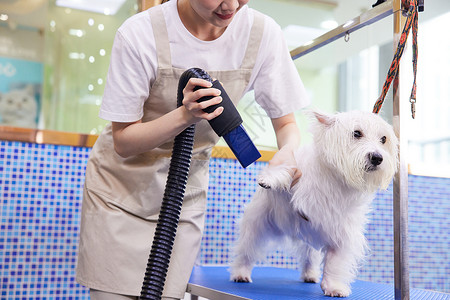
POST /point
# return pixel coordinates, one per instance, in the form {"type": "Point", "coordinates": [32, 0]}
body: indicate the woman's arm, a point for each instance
{"type": "Point", "coordinates": [138, 137]}
{"type": "Point", "coordinates": [288, 140]}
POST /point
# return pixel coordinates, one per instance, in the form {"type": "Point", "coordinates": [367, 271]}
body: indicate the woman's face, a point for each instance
{"type": "Point", "coordinates": [217, 12]}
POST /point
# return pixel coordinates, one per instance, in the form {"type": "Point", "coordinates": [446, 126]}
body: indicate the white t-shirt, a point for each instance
{"type": "Point", "coordinates": [133, 67]}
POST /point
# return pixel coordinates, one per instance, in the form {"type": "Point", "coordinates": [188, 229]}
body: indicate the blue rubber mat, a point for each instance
{"type": "Point", "coordinates": [271, 283]}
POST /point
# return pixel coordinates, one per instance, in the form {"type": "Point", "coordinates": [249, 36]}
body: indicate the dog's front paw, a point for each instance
{"type": "Point", "coordinates": [241, 274]}
{"type": "Point", "coordinates": [335, 289]}
{"type": "Point", "coordinates": [278, 178]}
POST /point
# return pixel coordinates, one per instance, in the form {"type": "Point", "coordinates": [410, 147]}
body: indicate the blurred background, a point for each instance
{"type": "Point", "coordinates": [54, 58]}
{"type": "Point", "coordinates": [58, 51]}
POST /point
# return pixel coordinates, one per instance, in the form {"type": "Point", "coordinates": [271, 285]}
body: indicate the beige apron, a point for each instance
{"type": "Point", "coordinates": [122, 196]}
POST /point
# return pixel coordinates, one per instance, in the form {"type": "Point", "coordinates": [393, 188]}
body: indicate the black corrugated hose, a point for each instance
{"type": "Point", "coordinates": [166, 227]}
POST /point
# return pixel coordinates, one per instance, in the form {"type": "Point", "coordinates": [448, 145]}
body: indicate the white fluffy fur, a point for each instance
{"type": "Point", "coordinates": [324, 215]}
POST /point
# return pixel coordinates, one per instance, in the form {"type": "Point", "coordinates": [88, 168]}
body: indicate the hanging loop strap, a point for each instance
{"type": "Point", "coordinates": [411, 21]}
{"type": "Point", "coordinates": [412, 98]}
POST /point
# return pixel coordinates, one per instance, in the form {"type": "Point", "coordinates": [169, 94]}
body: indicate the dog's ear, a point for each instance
{"type": "Point", "coordinates": [327, 120]}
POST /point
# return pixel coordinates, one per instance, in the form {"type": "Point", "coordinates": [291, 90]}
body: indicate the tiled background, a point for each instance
{"type": "Point", "coordinates": [40, 200]}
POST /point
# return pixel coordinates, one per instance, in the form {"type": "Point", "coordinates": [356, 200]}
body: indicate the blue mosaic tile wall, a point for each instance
{"type": "Point", "coordinates": [40, 201]}
{"type": "Point", "coordinates": [40, 192]}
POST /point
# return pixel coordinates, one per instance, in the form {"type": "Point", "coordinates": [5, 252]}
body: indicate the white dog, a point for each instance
{"type": "Point", "coordinates": [324, 214]}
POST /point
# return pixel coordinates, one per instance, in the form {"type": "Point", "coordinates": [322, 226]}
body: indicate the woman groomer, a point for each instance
{"type": "Point", "coordinates": [128, 166]}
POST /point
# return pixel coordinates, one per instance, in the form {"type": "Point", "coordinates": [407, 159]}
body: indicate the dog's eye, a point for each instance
{"type": "Point", "coordinates": [357, 134]}
{"type": "Point", "coordinates": [383, 140]}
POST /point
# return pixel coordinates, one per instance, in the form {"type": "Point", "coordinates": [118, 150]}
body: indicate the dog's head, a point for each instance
{"type": "Point", "coordinates": [361, 146]}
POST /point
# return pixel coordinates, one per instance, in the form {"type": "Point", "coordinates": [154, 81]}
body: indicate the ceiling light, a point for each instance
{"type": "Point", "coordinates": [76, 32]}
{"type": "Point", "coordinates": [329, 24]}
{"type": "Point", "coordinates": [107, 7]}
{"type": "Point", "coordinates": [3, 17]}
{"type": "Point", "coordinates": [75, 55]}
{"type": "Point", "coordinates": [348, 23]}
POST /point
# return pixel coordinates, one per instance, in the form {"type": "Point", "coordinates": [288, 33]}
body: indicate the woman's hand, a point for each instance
{"type": "Point", "coordinates": [191, 96]}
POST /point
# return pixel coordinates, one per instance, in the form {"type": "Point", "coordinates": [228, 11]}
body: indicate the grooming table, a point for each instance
{"type": "Point", "coordinates": [271, 283]}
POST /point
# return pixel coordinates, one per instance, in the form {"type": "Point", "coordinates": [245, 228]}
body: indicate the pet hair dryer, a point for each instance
{"type": "Point", "coordinates": [229, 126]}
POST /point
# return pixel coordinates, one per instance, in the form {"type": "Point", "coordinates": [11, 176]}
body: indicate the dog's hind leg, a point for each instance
{"type": "Point", "coordinates": [255, 235]}
{"type": "Point", "coordinates": [250, 248]}
{"type": "Point", "coordinates": [241, 269]}
{"type": "Point", "coordinates": [312, 260]}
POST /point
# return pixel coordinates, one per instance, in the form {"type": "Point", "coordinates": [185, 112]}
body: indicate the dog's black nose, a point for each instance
{"type": "Point", "coordinates": [375, 158]}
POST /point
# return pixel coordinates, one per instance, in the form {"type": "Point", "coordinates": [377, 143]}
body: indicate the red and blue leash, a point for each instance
{"type": "Point", "coordinates": [411, 21]}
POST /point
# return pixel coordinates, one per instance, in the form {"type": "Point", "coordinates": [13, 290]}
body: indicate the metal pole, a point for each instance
{"type": "Point", "coordinates": [400, 203]}
{"type": "Point", "coordinates": [371, 16]}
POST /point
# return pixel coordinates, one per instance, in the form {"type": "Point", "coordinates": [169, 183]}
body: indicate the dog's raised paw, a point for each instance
{"type": "Point", "coordinates": [278, 177]}
{"type": "Point", "coordinates": [265, 181]}
{"type": "Point", "coordinates": [263, 185]}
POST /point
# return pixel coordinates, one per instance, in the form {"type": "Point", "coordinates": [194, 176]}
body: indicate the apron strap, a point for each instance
{"type": "Point", "coordinates": [254, 41]}
{"type": "Point", "coordinates": [161, 37]}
